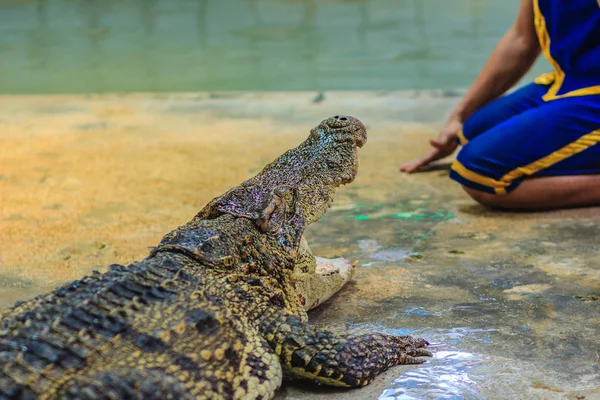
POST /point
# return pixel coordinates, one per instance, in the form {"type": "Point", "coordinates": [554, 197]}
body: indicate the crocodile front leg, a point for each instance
{"type": "Point", "coordinates": [337, 358]}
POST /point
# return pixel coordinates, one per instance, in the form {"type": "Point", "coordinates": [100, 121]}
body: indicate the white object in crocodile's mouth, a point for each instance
{"type": "Point", "coordinates": [330, 265]}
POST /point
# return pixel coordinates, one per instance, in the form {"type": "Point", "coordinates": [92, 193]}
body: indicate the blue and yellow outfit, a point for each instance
{"type": "Point", "coordinates": [551, 126]}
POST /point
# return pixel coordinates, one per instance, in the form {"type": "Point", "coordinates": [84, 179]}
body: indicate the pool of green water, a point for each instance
{"type": "Point", "coordinates": [86, 46]}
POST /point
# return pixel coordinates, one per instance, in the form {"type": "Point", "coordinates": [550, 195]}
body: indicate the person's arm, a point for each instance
{"type": "Point", "coordinates": [511, 59]}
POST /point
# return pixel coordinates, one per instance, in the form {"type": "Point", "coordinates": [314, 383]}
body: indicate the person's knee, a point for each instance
{"type": "Point", "coordinates": [485, 199]}
{"type": "Point", "coordinates": [473, 168]}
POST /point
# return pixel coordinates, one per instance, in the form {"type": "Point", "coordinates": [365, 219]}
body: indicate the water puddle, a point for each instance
{"type": "Point", "coordinates": [446, 376]}
{"type": "Point", "coordinates": [420, 311]}
{"type": "Point", "coordinates": [391, 255]}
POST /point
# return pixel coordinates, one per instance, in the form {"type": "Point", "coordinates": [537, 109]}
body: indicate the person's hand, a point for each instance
{"type": "Point", "coordinates": [442, 147]}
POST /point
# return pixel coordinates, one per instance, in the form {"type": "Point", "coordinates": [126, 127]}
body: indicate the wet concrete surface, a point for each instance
{"type": "Point", "coordinates": [86, 181]}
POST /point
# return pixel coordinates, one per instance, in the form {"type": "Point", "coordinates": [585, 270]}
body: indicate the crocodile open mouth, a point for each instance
{"type": "Point", "coordinates": [329, 276]}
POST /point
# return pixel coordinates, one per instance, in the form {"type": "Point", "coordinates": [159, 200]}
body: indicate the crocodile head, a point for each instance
{"type": "Point", "coordinates": [273, 209]}
{"type": "Point", "coordinates": [296, 189]}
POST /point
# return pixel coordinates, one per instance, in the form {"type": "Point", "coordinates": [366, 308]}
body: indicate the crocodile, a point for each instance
{"type": "Point", "coordinates": [217, 310]}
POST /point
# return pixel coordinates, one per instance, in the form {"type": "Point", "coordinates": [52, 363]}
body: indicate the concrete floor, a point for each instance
{"type": "Point", "coordinates": [86, 181]}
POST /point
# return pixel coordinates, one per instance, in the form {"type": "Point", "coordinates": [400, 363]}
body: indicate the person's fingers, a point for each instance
{"type": "Point", "coordinates": [441, 147]}
{"type": "Point", "coordinates": [413, 165]}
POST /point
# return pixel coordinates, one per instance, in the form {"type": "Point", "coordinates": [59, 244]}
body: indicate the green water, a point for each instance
{"type": "Point", "coordinates": [83, 46]}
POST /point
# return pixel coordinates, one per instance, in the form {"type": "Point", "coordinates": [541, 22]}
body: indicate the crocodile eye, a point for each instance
{"type": "Point", "coordinates": [284, 192]}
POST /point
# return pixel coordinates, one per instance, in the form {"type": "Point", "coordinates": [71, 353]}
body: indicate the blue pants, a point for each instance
{"type": "Point", "coordinates": [521, 135]}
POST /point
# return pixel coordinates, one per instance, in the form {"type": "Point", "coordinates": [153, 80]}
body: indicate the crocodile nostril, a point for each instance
{"type": "Point", "coordinates": [336, 117]}
{"type": "Point", "coordinates": [343, 119]}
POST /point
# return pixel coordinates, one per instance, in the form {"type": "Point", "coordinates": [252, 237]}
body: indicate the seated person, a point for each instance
{"type": "Point", "coordinates": [537, 147]}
